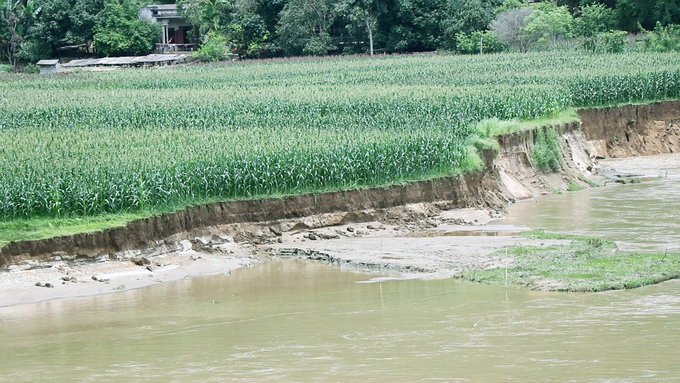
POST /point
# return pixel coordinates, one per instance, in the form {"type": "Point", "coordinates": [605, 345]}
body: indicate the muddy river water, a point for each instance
{"type": "Point", "coordinates": [639, 217]}
{"type": "Point", "coordinates": [308, 321]}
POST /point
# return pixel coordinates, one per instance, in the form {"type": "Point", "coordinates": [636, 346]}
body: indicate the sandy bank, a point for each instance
{"type": "Point", "coordinates": [30, 283]}
{"type": "Point", "coordinates": [419, 240]}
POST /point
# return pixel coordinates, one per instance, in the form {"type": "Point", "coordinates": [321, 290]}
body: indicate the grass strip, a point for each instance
{"type": "Point", "coordinates": [584, 264]}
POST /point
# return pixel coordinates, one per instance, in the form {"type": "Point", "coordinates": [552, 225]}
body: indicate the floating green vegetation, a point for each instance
{"type": "Point", "coordinates": [578, 264]}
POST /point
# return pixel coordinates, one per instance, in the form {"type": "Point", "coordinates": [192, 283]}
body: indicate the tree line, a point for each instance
{"type": "Point", "coordinates": [35, 29]}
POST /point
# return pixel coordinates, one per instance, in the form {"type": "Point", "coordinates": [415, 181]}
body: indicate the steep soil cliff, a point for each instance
{"type": "Point", "coordinates": [632, 130]}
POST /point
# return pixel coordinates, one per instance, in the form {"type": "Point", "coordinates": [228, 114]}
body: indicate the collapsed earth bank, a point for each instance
{"type": "Point", "coordinates": [509, 175]}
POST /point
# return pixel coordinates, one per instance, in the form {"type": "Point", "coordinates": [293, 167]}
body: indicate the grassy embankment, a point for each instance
{"type": "Point", "coordinates": [85, 151]}
{"type": "Point", "coordinates": [584, 265]}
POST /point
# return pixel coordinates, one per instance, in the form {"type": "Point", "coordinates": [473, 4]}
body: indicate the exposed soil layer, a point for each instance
{"type": "Point", "coordinates": [478, 189]}
{"type": "Point", "coordinates": [519, 179]}
{"type": "Point", "coordinates": [632, 130]}
{"type": "Point", "coordinates": [507, 176]}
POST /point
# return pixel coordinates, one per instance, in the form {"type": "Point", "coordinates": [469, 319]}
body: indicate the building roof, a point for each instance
{"type": "Point", "coordinates": [159, 11]}
{"type": "Point", "coordinates": [48, 62]}
{"type": "Point", "coordinates": [154, 58]}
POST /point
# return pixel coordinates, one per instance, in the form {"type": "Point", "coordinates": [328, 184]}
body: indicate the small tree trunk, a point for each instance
{"type": "Point", "coordinates": [370, 35]}
{"type": "Point", "coordinates": [481, 44]}
{"type": "Point", "coordinates": [12, 55]}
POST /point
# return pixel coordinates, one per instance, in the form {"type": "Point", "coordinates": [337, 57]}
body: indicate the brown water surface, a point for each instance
{"type": "Point", "coordinates": [639, 217]}
{"type": "Point", "coordinates": [306, 321]}
{"type": "Point", "coordinates": [300, 321]}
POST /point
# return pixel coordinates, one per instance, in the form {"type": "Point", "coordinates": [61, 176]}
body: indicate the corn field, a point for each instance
{"type": "Point", "coordinates": [141, 140]}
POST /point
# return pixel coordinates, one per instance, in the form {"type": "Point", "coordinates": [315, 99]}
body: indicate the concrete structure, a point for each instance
{"type": "Point", "coordinates": [48, 66]}
{"type": "Point", "coordinates": [174, 27]}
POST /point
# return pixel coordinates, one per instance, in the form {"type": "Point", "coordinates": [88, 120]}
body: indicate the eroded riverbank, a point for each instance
{"type": "Point", "coordinates": [414, 228]}
{"type": "Point", "coordinates": [419, 240]}
{"type": "Point", "coordinates": [424, 241]}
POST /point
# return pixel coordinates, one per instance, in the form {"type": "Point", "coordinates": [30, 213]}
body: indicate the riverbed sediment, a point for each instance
{"type": "Point", "coordinates": [434, 227]}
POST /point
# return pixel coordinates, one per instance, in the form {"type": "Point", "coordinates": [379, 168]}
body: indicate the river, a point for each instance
{"type": "Point", "coordinates": [639, 217]}
{"type": "Point", "coordinates": [301, 321]}
{"type": "Point", "coordinates": [307, 321]}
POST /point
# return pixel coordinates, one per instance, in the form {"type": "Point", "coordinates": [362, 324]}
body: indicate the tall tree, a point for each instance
{"type": "Point", "coordinates": [509, 24]}
{"type": "Point", "coordinates": [594, 19]}
{"type": "Point", "coordinates": [48, 31]}
{"type": "Point", "coordinates": [207, 15]}
{"type": "Point", "coordinates": [360, 18]}
{"type": "Point", "coordinates": [413, 25]}
{"type": "Point", "coordinates": [84, 15]}
{"type": "Point", "coordinates": [467, 16]}
{"type": "Point", "coordinates": [363, 15]}
{"type": "Point", "coordinates": [270, 11]}
{"type": "Point", "coordinates": [512, 4]}
{"type": "Point", "coordinates": [248, 32]}
{"type": "Point", "coordinates": [15, 19]}
{"type": "Point", "coordinates": [120, 31]}
{"type": "Point", "coordinates": [303, 27]}
{"type": "Point", "coordinates": [547, 23]}
{"type": "Point", "coordinates": [647, 13]}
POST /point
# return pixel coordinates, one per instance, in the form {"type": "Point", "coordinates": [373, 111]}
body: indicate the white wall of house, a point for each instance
{"type": "Point", "coordinates": [168, 17]}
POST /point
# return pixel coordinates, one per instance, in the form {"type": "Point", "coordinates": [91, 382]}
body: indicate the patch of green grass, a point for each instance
{"type": "Point", "coordinates": [573, 186]}
{"type": "Point", "coordinates": [39, 228]}
{"type": "Point", "coordinates": [542, 234]}
{"type": "Point", "coordinates": [590, 182]}
{"type": "Point", "coordinates": [483, 143]}
{"type": "Point", "coordinates": [546, 151]}
{"type": "Point", "coordinates": [584, 264]}
{"type": "Point", "coordinates": [494, 127]}
{"type": "Point", "coordinates": [487, 131]}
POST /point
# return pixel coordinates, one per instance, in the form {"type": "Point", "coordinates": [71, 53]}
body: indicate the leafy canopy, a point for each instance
{"type": "Point", "coordinates": [120, 31]}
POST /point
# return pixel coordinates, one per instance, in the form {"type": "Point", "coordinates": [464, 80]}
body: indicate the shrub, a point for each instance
{"type": "Point", "coordinates": [662, 39]}
{"type": "Point", "coordinates": [594, 19]}
{"type": "Point", "coordinates": [32, 69]}
{"type": "Point", "coordinates": [486, 40]}
{"type": "Point", "coordinates": [120, 31]}
{"type": "Point", "coordinates": [614, 41]}
{"type": "Point", "coordinates": [546, 150]}
{"type": "Point", "coordinates": [215, 47]}
{"type": "Point", "coordinates": [4, 68]}
{"type": "Point", "coordinates": [317, 45]}
{"type": "Point", "coordinates": [606, 42]}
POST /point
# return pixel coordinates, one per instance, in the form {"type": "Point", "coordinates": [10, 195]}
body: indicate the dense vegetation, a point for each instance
{"type": "Point", "coordinates": [84, 144]}
{"type": "Point", "coordinates": [35, 29]}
